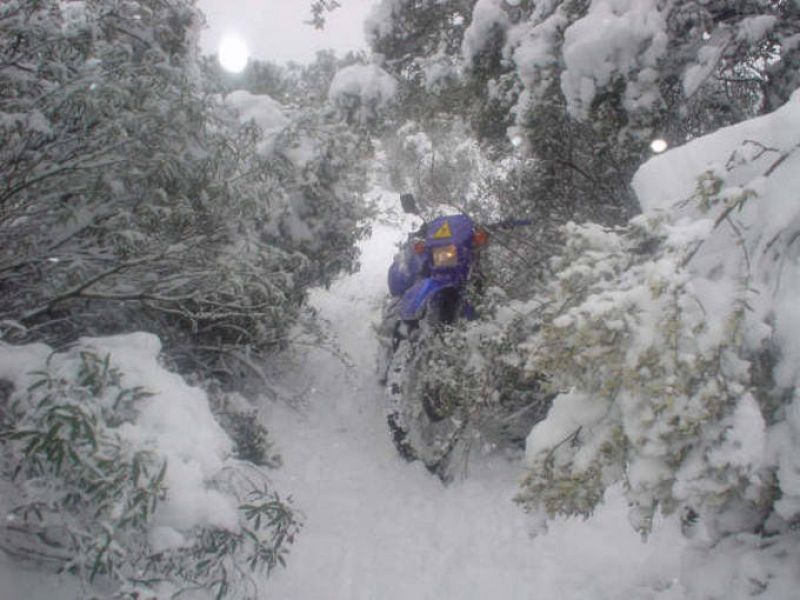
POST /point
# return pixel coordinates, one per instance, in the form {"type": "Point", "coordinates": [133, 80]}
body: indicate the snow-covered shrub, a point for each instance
{"type": "Point", "coordinates": [471, 383]}
{"type": "Point", "coordinates": [645, 384]}
{"type": "Point", "coordinates": [319, 214]}
{"type": "Point", "coordinates": [240, 421]}
{"type": "Point", "coordinates": [133, 199]}
{"type": "Point", "coordinates": [673, 342]}
{"type": "Point", "coordinates": [115, 471]}
{"type": "Point", "coordinates": [438, 162]}
{"type": "Point", "coordinates": [362, 92]}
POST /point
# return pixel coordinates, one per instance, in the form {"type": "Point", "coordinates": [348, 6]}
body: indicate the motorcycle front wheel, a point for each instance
{"type": "Point", "coordinates": [424, 424]}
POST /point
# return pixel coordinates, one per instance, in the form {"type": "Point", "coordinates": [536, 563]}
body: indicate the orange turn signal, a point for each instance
{"type": "Point", "coordinates": [419, 247]}
{"type": "Point", "coordinates": [480, 237]}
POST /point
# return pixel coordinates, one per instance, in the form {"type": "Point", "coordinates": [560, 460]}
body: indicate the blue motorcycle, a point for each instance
{"type": "Point", "coordinates": [432, 283]}
{"type": "Point", "coordinates": [428, 282]}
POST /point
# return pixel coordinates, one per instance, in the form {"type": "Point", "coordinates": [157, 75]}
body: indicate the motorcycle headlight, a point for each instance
{"type": "Point", "coordinates": [445, 256]}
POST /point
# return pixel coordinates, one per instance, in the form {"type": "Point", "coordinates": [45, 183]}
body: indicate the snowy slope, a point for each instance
{"type": "Point", "coordinates": [378, 527]}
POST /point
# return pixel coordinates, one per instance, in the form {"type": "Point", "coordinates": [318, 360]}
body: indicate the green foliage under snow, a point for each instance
{"type": "Point", "coordinates": [652, 389]}
{"type": "Point", "coordinates": [85, 482]}
{"type": "Point", "coordinates": [670, 342]}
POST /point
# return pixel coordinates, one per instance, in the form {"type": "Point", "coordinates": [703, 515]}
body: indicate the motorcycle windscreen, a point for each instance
{"type": "Point", "coordinates": [414, 301]}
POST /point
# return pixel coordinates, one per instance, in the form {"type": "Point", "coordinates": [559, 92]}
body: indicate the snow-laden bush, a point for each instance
{"type": "Point", "coordinates": [439, 163]}
{"type": "Point", "coordinates": [115, 470]}
{"type": "Point", "coordinates": [362, 92]}
{"type": "Point", "coordinates": [133, 199]}
{"type": "Point", "coordinates": [463, 389]}
{"type": "Point", "coordinates": [650, 380]}
{"type": "Point", "coordinates": [673, 342]}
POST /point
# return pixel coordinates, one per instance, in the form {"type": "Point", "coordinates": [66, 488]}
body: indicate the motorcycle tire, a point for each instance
{"type": "Point", "coordinates": [420, 429]}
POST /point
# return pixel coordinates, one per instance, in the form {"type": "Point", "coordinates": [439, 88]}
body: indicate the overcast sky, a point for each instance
{"type": "Point", "coordinates": [274, 29]}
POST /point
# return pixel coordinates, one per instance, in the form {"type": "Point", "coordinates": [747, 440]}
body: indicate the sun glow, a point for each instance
{"type": "Point", "coordinates": [233, 53]}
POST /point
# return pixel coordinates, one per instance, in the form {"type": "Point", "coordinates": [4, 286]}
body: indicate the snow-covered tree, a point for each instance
{"type": "Point", "coordinates": [602, 79]}
{"type": "Point", "coordinates": [132, 199]}
{"type": "Point", "coordinates": [362, 92]}
{"type": "Point", "coordinates": [439, 162]}
{"type": "Point", "coordinates": [672, 342]}
{"type": "Point", "coordinates": [586, 85]}
{"type": "Point", "coordinates": [419, 42]}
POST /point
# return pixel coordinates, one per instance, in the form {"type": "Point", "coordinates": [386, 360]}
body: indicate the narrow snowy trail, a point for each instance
{"type": "Point", "coordinates": [378, 527]}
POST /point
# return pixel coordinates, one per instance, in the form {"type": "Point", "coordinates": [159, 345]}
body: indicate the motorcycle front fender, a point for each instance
{"type": "Point", "coordinates": [416, 298]}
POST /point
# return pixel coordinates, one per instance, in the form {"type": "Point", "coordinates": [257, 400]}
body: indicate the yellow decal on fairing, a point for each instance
{"type": "Point", "coordinates": [443, 232]}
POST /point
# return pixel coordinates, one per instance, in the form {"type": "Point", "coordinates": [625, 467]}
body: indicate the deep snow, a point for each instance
{"type": "Point", "coordinates": [378, 527]}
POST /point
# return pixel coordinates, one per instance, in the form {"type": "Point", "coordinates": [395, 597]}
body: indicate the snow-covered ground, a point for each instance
{"type": "Point", "coordinates": [378, 527]}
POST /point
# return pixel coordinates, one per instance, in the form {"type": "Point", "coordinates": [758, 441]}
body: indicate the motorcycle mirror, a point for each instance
{"type": "Point", "coordinates": [409, 204]}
